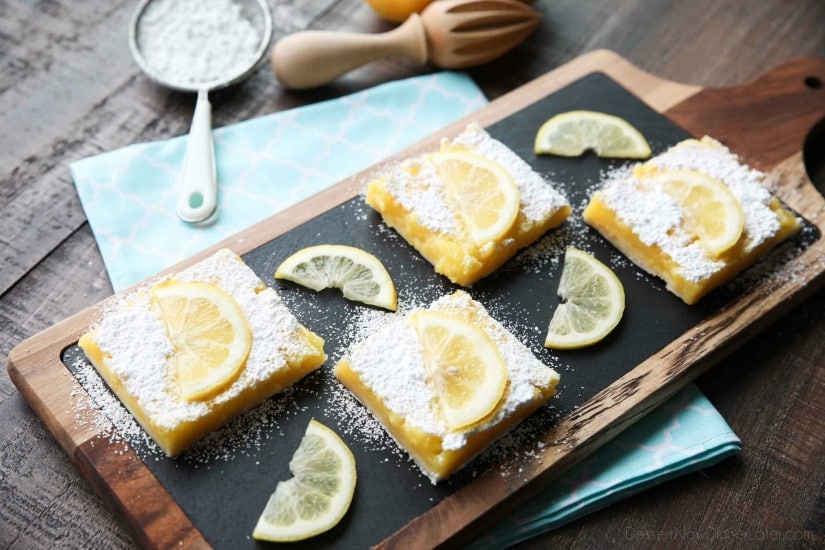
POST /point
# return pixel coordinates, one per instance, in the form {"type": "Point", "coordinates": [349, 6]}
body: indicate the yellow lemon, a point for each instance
{"type": "Point", "coordinates": [572, 133]}
{"type": "Point", "coordinates": [464, 367]}
{"type": "Point", "coordinates": [318, 495]}
{"type": "Point", "coordinates": [397, 10]}
{"type": "Point", "coordinates": [360, 275]}
{"type": "Point", "coordinates": [484, 193]}
{"type": "Point", "coordinates": [593, 302]}
{"type": "Point", "coordinates": [209, 333]}
{"type": "Point", "coordinates": [710, 212]}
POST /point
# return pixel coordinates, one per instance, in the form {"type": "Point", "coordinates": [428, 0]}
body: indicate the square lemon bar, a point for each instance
{"type": "Point", "coordinates": [466, 230]}
{"type": "Point", "coordinates": [138, 356]}
{"type": "Point", "coordinates": [695, 216]}
{"type": "Point", "coordinates": [395, 373]}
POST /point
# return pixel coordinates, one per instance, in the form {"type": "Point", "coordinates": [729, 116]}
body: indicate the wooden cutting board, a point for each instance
{"type": "Point", "coordinates": [765, 121]}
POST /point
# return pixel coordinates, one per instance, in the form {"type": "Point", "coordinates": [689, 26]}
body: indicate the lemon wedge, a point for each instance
{"type": "Point", "coordinates": [572, 133]}
{"type": "Point", "coordinates": [464, 367]}
{"type": "Point", "coordinates": [710, 212]}
{"type": "Point", "coordinates": [484, 193]}
{"type": "Point", "coordinates": [209, 333]}
{"type": "Point", "coordinates": [360, 275]}
{"type": "Point", "coordinates": [593, 302]}
{"type": "Point", "coordinates": [318, 495]}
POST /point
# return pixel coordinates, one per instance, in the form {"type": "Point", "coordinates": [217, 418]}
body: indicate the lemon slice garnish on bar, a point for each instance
{"type": "Point", "coordinates": [710, 212]}
{"type": "Point", "coordinates": [209, 333]}
{"type": "Point", "coordinates": [484, 193]}
{"type": "Point", "coordinates": [464, 367]}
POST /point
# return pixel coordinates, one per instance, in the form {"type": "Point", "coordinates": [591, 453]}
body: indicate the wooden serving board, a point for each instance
{"type": "Point", "coordinates": [765, 121]}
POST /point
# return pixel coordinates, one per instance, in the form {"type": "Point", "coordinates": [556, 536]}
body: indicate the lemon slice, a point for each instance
{"type": "Point", "coordinates": [572, 133]}
{"type": "Point", "coordinates": [209, 333]}
{"type": "Point", "coordinates": [319, 494]}
{"type": "Point", "coordinates": [709, 209]}
{"type": "Point", "coordinates": [360, 275]}
{"type": "Point", "coordinates": [593, 302]}
{"type": "Point", "coordinates": [485, 194]}
{"type": "Point", "coordinates": [464, 367]}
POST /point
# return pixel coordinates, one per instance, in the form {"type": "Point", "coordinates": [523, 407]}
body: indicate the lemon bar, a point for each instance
{"type": "Point", "coordinates": [388, 372]}
{"type": "Point", "coordinates": [654, 228]}
{"type": "Point", "coordinates": [414, 200]}
{"type": "Point", "coordinates": [131, 348]}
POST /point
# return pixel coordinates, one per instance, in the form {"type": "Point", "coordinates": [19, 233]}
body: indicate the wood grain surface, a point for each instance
{"type": "Point", "coordinates": [157, 520]}
{"type": "Point", "coordinates": [69, 89]}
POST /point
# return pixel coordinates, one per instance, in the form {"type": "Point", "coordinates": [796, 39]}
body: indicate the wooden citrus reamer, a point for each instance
{"type": "Point", "coordinates": [451, 34]}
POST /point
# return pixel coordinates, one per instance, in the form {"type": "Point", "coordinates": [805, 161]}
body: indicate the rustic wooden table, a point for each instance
{"type": "Point", "coordinates": [69, 89]}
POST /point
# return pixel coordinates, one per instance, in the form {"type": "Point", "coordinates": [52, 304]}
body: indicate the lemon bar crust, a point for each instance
{"type": "Point", "coordinates": [129, 349]}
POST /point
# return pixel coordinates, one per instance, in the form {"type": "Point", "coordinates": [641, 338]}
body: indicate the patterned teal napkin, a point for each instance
{"type": "Point", "coordinates": [272, 162]}
{"type": "Point", "coordinates": [264, 165]}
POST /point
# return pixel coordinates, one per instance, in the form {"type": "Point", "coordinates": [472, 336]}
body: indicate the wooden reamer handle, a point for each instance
{"type": "Point", "coordinates": [313, 58]}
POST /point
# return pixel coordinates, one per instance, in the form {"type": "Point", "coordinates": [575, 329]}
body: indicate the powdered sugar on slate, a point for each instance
{"type": "Point", "coordinates": [112, 420]}
{"type": "Point", "coordinates": [106, 414]}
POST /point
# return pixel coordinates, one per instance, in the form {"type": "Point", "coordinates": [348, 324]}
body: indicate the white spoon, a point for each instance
{"type": "Point", "coordinates": [186, 47]}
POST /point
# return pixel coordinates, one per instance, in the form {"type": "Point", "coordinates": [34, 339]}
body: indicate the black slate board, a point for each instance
{"type": "Point", "coordinates": [223, 497]}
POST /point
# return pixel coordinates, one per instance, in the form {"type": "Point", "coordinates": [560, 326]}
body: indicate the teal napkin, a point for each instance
{"type": "Point", "coordinates": [263, 165]}
{"type": "Point", "coordinates": [683, 435]}
{"type": "Point", "coordinates": [269, 163]}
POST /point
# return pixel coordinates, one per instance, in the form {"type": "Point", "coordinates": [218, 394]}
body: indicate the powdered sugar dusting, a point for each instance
{"type": "Point", "coordinates": [244, 435]}
{"type": "Point", "coordinates": [134, 337]}
{"type": "Point", "coordinates": [416, 185]}
{"type": "Point", "coordinates": [418, 189]}
{"type": "Point", "coordinates": [746, 184]}
{"type": "Point", "coordinates": [656, 218]}
{"type": "Point", "coordinates": [404, 388]}
{"type": "Point", "coordinates": [107, 414]}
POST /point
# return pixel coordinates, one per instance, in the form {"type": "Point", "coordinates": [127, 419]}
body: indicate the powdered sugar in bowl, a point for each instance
{"type": "Point", "coordinates": [198, 46]}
